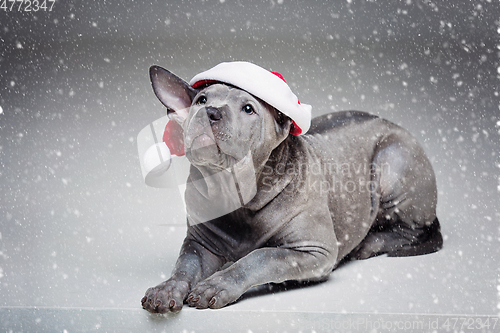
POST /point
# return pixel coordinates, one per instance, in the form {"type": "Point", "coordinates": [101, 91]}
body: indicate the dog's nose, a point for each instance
{"type": "Point", "coordinates": [214, 114]}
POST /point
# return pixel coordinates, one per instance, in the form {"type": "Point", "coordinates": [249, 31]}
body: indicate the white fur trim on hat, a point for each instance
{"type": "Point", "coordinates": [261, 83]}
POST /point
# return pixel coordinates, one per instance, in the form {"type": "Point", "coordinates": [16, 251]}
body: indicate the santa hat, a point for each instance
{"type": "Point", "coordinates": [270, 87]}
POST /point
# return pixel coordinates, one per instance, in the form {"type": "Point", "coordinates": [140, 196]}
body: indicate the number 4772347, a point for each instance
{"type": "Point", "coordinates": [27, 5]}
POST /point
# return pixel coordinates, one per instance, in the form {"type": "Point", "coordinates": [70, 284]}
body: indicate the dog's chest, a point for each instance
{"type": "Point", "coordinates": [234, 235]}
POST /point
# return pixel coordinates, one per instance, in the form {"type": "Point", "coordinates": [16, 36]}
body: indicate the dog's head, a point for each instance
{"type": "Point", "coordinates": [222, 123]}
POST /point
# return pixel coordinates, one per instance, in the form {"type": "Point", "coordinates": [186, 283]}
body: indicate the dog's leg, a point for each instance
{"type": "Point", "coordinates": [194, 264]}
{"type": "Point", "coordinates": [406, 222]}
{"type": "Point", "coordinates": [262, 266]}
{"type": "Point", "coordinates": [399, 244]}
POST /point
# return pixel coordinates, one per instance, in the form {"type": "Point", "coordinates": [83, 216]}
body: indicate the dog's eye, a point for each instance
{"type": "Point", "coordinates": [201, 100]}
{"type": "Point", "coordinates": [248, 109]}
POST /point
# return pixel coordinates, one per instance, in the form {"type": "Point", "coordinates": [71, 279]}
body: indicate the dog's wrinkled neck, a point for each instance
{"type": "Point", "coordinates": [213, 194]}
{"type": "Point", "coordinates": [249, 184]}
{"type": "Point", "coordinates": [275, 174]}
{"type": "Point", "coordinates": [213, 181]}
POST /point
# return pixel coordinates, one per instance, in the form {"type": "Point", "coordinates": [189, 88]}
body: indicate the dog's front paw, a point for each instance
{"type": "Point", "coordinates": [166, 297]}
{"type": "Point", "coordinates": [215, 292]}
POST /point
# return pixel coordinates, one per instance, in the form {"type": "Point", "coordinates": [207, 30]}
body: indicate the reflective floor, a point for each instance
{"type": "Point", "coordinates": [82, 237]}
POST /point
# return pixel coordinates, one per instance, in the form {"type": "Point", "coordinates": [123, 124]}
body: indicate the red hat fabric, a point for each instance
{"type": "Point", "coordinates": [173, 136]}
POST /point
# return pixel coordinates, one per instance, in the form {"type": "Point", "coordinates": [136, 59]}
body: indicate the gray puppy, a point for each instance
{"type": "Point", "coordinates": [353, 187]}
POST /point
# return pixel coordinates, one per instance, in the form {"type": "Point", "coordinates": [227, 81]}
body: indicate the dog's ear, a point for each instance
{"type": "Point", "coordinates": [282, 123]}
{"type": "Point", "coordinates": [175, 93]}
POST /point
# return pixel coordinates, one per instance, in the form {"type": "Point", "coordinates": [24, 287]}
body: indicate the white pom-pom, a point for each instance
{"type": "Point", "coordinates": [157, 159]}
